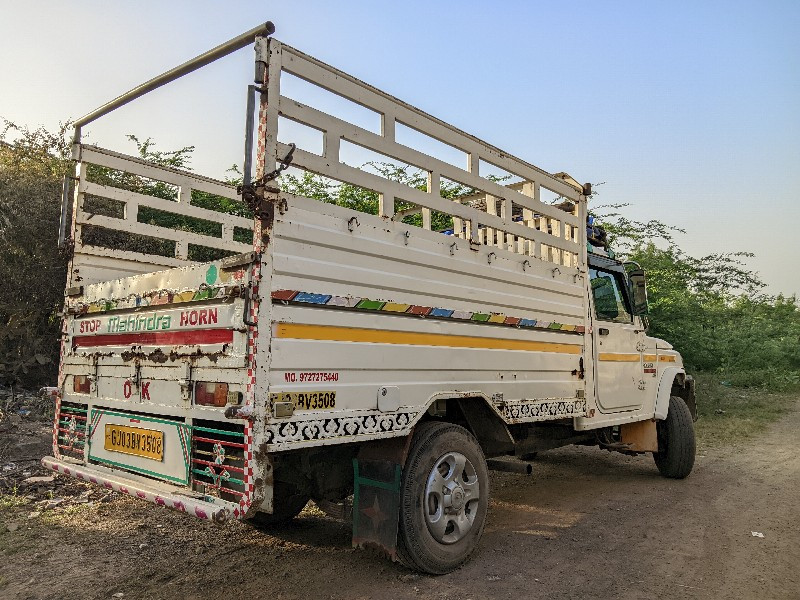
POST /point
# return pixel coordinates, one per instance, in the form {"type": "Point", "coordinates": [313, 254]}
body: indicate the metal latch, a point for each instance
{"type": "Point", "coordinates": [237, 260]}
{"type": "Point", "coordinates": [247, 294]}
{"type": "Point", "coordinates": [251, 192]}
{"type": "Point", "coordinates": [186, 383]}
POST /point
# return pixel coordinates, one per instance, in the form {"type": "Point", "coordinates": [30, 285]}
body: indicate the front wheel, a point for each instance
{"type": "Point", "coordinates": [445, 498]}
{"type": "Point", "coordinates": [676, 443]}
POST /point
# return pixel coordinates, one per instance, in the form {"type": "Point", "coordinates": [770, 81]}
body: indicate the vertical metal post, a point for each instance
{"type": "Point", "coordinates": [248, 135]}
{"type": "Point", "coordinates": [65, 198]}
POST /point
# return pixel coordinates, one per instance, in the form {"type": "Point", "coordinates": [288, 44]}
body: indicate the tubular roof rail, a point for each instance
{"type": "Point", "coordinates": [189, 66]}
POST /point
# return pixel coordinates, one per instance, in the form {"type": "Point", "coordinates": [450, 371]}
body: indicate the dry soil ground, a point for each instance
{"type": "Point", "coordinates": [587, 524]}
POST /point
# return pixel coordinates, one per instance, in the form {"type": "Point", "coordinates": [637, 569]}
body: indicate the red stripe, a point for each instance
{"type": "Point", "coordinates": [282, 294]}
{"type": "Point", "coordinates": [72, 449]}
{"type": "Point", "coordinates": [223, 442]}
{"type": "Point", "coordinates": [153, 338]}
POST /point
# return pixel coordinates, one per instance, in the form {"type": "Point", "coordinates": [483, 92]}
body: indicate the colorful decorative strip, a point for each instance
{"type": "Point", "coordinates": [156, 298]}
{"type": "Point", "coordinates": [295, 297]}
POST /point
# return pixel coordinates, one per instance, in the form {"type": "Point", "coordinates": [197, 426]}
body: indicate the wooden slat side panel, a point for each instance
{"type": "Point", "coordinates": [114, 257]}
{"type": "Point", "coordinates": [310, 116]}
{"type": "Point", "coordinates": [364, 179]}
{"type": "Point", "coordinates": [517, 226]}
{"type": "Point", "coordinates": [347, 86]}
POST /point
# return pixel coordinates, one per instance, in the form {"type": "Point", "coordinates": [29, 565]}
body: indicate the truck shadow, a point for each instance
{"type": "Point", "coordinates": [310, 529]}
{"type": "Point", "coordinates": [542, 504]}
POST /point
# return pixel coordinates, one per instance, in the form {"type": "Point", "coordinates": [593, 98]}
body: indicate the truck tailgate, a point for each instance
{"type": "Point", "coordinates": [150, 364]}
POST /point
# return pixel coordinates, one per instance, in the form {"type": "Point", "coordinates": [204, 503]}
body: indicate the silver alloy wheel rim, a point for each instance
{"type": "Point", "coordinates": [451, 498]}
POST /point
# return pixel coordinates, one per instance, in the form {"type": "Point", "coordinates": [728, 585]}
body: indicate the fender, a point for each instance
{"type": "Point", "coordinates": [482, 417]}
{"type": "Point", "coordinates": [664, 391]}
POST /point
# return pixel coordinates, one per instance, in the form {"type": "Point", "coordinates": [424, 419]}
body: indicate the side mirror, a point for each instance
{"type": "Point", "coordinates": [638, 291]}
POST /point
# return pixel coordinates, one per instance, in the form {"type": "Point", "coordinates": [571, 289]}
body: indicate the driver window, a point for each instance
{"type": "Point", "coordinates": [609, 302]}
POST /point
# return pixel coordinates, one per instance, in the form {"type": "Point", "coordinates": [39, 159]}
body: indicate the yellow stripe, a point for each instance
{"type": "Point", "coordinates": [618, 357]}
{"type": "Point", "coordinates": [649, 358]}
{"type": "Point", "coordinates": [666, 358]}
{"type": "Point", "coordinates": [333, 333]}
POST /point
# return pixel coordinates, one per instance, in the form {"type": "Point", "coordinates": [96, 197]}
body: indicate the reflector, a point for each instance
{"type": "Point", "coordinates": [81, 384]}
{"type": "Point", "coordinates": [210, 394]}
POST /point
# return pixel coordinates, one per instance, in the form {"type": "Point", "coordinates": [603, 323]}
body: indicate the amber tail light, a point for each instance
{"type": "Point", "coordinates": [81, 384]}
{"type": "Point", "coordinates": [210, 394]}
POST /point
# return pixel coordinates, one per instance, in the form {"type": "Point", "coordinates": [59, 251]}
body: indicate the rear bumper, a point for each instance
{"type": "Point", "coordinates": [201, 509]}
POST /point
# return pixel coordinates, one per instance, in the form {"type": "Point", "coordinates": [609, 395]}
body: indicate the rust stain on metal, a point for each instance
{"type": "Point", "coordinates": [158, 356]}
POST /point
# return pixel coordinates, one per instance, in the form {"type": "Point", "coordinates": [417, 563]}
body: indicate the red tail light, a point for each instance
{"type": "Point", "coordinates": [211, 394]}
{"type": "Point", "coordinates": [81, 384]}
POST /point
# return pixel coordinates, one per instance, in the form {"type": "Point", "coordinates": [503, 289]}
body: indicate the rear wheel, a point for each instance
{"type": "Point", "coordinates": [676, 443]}
{"type": "Point", "coordinates": [445, 496]}
{"type": "Point", "coordinates": [287, 503]}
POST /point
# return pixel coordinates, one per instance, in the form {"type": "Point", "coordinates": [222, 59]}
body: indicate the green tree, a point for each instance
{"type": "Point", "coordinates": [713, 308]}
{"type": "Point", "coordinates": [32, 270]}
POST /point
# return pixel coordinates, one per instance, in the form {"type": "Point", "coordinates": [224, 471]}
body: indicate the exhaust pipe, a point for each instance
{"type": "Point", "coordinates": [509, 466]}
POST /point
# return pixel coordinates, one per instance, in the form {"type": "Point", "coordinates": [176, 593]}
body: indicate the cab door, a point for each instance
{"type": "Point", "coordinates": [618, 343]}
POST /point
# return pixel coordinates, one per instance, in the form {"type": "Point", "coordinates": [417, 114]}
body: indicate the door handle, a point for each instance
{"type": "Point", "coordinates": [602, 331]}
{"type": "Point", "coordinates": [580, 371]}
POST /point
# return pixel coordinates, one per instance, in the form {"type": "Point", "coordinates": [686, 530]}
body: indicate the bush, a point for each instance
{"type": "Point", "coordinates": [31, 269]}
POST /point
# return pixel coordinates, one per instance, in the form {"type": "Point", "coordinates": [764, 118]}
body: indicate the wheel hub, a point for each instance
{"type": "Point", "coordinates": [455, 499]}
{"type": "Point", "coordinates": [451, 497]}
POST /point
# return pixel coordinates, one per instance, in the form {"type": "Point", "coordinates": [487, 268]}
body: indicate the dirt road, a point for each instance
{"type": "Point", "coordinates": [588, 524]}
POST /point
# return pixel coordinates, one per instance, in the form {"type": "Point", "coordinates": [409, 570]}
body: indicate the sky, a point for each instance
{"type": "Point", "coordinates": [689, 112]}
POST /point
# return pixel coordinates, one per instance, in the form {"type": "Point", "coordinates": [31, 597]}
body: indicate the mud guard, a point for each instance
{"type": "Point", "coordinates": [377, 477]}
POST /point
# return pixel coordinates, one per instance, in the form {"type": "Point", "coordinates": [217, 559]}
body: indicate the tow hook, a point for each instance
{"type": "Point", "coordinates": [239, 412]}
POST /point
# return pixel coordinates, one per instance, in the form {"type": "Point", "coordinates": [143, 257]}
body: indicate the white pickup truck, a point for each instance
{"type": "Point", "coordinates": [342, 356]}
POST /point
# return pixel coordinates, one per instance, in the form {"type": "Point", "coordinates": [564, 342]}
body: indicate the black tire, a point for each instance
{"type": "Point", "coordinates": [417, 547]}
{"type": "Point", "coordinates": [287, 503]}
{"type": "Point", "coordinates": [676, 443]}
